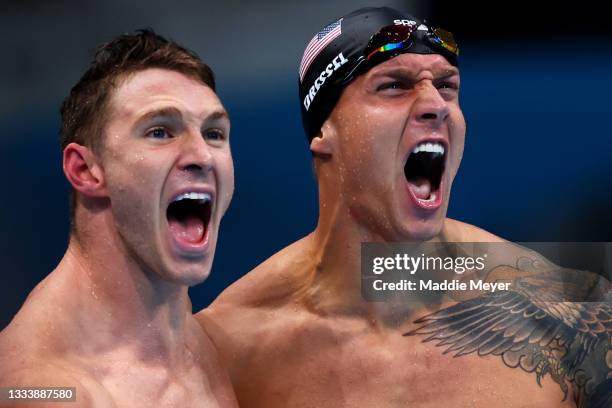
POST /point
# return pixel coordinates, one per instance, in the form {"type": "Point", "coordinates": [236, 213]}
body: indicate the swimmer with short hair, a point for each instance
{"type": "Point", "coordinates": [379, 93]}
{"type": "Point", "coordinates": [146, 150]}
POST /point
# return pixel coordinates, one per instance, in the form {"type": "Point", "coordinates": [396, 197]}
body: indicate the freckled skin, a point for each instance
{"type": "Point", "coordinates": [114, 318]}
{"type": "Point", "coordinates": [296, 332]}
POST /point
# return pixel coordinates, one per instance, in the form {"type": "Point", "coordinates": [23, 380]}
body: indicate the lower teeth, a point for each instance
{"type": "Point", "coordinates": [432, 197]}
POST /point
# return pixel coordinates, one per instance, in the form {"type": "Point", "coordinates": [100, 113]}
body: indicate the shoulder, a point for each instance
{"type": "Point", "coordinates": [36, 329]}
{"type": "Point", "coordinates": [29, 359]}
{"type": "Point", "coordinates": [254, 305]}
{"type": "Point", "coordinates": [46, 375]}
{"type": "Point", "coordinates": [32, 351]}
{"type": "Point", "coordinates": [458, 231]}
{"type": "Point", "coordinates": [270, 284]}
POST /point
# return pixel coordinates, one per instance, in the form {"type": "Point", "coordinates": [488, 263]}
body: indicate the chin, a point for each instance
{"type": "Point", "coordinates": [423, 230]}
{"type": "Point", "coordinates": [194, 276]}
{"type": "Point", "coordinates": [186, 275]}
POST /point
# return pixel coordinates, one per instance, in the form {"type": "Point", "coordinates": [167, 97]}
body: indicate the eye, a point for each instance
{"type": "Point", "coordinates": [214, 134]}
{"type": "Point", "coordinates": [392, 85]}
{"type": "Point", "coordinates": [159, 133]}
{"type": "Point", "coordinates": [449, 90]}
{"type": "Point", "coordinates": [448, 85]}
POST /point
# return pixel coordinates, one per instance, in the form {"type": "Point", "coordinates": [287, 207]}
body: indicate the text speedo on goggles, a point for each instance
{"type": "Point", "coordinates": [393, 40]}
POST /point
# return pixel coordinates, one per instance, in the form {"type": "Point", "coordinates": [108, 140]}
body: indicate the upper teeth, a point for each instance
{"type": "Point", "coordinates": [204, 197]}
{"type": "Point", "coordinates": [429, 147]}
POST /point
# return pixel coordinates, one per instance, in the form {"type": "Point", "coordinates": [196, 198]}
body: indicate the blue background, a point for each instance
{"type": "Point", "coordinates": [537, 163]}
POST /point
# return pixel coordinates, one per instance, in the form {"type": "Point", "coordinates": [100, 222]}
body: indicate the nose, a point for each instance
{"type": "Point", "coordinates": [195, 154]}
{"type": "Point", "coordinates": [429, 109]}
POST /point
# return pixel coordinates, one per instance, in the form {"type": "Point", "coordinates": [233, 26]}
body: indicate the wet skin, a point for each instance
{"type": "Point", "coordinates": [296, 332]}
{"type": "Point", "coordinates": [114, 318]}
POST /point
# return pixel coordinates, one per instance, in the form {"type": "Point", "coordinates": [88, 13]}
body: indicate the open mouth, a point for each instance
{"type": "Point", "coordinates": [423, 170]}
{"type": "Point", "coordinates": [188, 217]}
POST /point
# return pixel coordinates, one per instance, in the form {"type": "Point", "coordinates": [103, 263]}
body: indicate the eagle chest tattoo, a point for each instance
{"type": "Point", "coordinates": [555, 322]}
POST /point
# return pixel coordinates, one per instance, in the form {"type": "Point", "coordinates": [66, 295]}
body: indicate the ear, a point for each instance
{"type": "Point", "coordinates": [83, 171]}
{"type": "Point", "coordinates": [322, 144]}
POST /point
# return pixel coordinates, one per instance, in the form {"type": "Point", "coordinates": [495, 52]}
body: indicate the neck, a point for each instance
{"type": "Point", "coordinates": [115, 301]}
{"type": "Point", "coordinates": [334, 283]}
{"type": "Point", "coordinates": [334, 249]}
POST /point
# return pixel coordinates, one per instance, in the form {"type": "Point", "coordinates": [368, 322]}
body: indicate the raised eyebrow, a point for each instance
{"type": "Point", "coordinates": [169, 112]}
{"type": "Point", "coordinates": [217, 115]}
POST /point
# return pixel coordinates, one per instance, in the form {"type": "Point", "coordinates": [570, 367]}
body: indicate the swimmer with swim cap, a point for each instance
{"type": "Point", "coordinates": [146, 150]}
{"type": "Point", "coordinates": [379, 97]}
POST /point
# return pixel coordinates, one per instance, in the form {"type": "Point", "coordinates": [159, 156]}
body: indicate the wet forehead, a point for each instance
{"type": "Point", "coordinates": [416, 64]}
{"type": "Point", "coordinates": [155, 89]}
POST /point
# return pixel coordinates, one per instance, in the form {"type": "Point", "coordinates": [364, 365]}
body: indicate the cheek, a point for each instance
{"type": "Point", "coordinates": [366, 166]}
{"type": "Point", "coordinates": [460, 127]}
{"type": "Point", "coordinates": [133, 171]}
{"type": "Point", "coordinates": [133, 179]}
{"type": "Point", "coordinates": [366, 153]}
{"type": "Point", "coordinates": [369, 148]}
{"type": "Point", "coordinates": [457, 134]}
{"type": "Point", "coordinates": [225, 178]}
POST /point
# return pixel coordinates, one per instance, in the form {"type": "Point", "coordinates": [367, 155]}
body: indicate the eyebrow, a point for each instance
{"type": "Point", "coordinates": [175, 114]}
{"type": "Point", "coordinates": [218, 114]}
{"type": "Point", "coordinates": [169, 112]}
{"type": "Point", "coordinates": [449, 72]}
{"type": "Point", "coordinates": [438, 73]}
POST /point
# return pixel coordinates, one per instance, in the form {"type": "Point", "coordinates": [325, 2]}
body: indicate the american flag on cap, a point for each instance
{"type": "Point", "coordinates": [318, 42]}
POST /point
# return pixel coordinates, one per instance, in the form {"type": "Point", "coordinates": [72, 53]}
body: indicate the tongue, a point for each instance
{"type": "Point", "coordinates": [420, 187]}
{"type": "Point", "coordinates": [190, 229]}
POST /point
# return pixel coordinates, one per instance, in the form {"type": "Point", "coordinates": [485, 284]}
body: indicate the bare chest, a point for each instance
{"type": "Point", "coordinates": [130, 385]}
{"type": "Point", "coordinates": [372, 370]}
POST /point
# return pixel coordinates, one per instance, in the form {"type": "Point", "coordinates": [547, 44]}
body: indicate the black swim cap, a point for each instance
{"type": "Point", "coordinates": [336, 55]}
